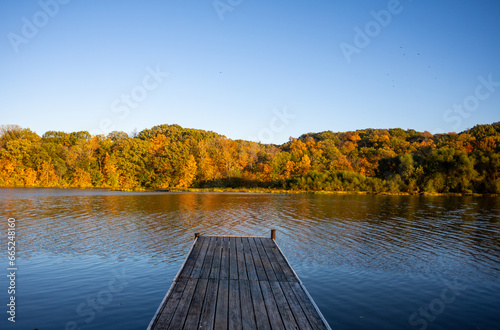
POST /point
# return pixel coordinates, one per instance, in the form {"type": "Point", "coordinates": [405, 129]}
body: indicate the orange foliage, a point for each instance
{"type": "Point", "coordinates": [488, 144]}
{"type": "Point", "coordinates": [188, 173]}
{"type": "Point", "coordinates": [30, 177]}
{"type": "Point", "coordinates": [47, 176]}
{"type": "Point", "coordinates": [158, 143]}
{"type": "Point", "coordinates": [352, 136]}
{"type": "Point", "coordinates": [298, 147]}
{"type": "Point", "coordinates": [11, 173]}
{"type": "Point", "coordinates": [343, 164]}
{"type": "Point", "coordinates": [81, 179]}
{"type": "Point", "coordinates": [303, 166]}
{"type": "Point", "coordinates": [110, 172]}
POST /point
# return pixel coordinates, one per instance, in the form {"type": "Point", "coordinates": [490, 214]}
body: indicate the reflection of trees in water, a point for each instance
{"type": "Point", "coordinates": [398, 233]}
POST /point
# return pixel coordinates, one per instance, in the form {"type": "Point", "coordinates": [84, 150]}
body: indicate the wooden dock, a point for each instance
{"type": "Point", "coordinates": [231, 282]}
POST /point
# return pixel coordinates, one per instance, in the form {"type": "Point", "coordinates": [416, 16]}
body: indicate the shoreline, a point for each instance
{"type": "Point", "coordinates": [263, 191]}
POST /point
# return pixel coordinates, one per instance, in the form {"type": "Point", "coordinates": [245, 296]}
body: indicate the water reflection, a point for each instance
{"type": "Point", "coordinates": [326, 237]}
{"type": "Point", "coordinates": [399, 233]}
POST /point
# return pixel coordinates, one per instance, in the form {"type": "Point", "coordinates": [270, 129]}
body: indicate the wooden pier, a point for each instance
{"type": "Point", "coordinates": [232, 282]}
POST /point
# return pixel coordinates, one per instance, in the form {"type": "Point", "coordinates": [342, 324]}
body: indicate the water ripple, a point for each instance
{"type": "Point", "coordinates": [397, 234]}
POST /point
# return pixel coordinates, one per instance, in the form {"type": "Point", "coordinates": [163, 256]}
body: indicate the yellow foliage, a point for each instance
{"type": "Point", "coordinates": [158, 143]}
{"type": "Point", "coordinates": [81, 179]}
{"type": "Point", "coordinates": [110, 172]}
{"type": "Point", "coordinates": [30, 177]}
{"type": "Point", "coordinates": [304, 165]}
{"type": "Point", "coordinates": [298, 147]}
{"type": "Point", "coordinates": [207, 169]}
{"type": "Point", "coordinates": [188, 173]}
{"type": "Point", "coordinates": [289, 169]}
{"type": "Point", "coordinates": [11, 173]}
{"type": "Point", "coordinates": [47, 176]}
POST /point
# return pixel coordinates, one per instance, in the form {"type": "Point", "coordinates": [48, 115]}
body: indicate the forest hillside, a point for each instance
{"type": "Point", "coordinates": [169, 156]}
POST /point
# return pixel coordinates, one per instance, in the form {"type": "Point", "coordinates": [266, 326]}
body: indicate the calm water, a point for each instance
{"type": "Point", "coordinates": [94, 259]}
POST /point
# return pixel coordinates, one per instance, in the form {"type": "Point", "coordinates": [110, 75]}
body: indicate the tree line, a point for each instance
{"type": "Point", "coordinates": [172, 157]}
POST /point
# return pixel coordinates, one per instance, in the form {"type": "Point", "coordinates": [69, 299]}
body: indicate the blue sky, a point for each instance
{"type": "Point", "coordinates": [257, 70]}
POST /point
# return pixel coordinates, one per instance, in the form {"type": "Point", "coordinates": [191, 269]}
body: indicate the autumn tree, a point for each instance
{"type": "Point", "coordinates": [169, 156]}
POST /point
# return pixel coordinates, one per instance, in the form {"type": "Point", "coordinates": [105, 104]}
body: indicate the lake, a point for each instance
{"type": "Point", "coordinates": [98, 259]}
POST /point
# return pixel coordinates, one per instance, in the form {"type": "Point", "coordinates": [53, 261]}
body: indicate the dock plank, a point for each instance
{"type": "Point", "coordinates": [259, 267]}
{"type": "Point", "coordinates": [191, 259]}
{"type": "Point", "coordinates": [215, 271]}
{"type": "Point", "coordinates": [269, 246]}
{"type": "Point", "coordinates": [242, 268]}
{"type": "Point", "coordinates": [283, 306]}
{"type": "Point", "coordinates": [196, 306]}
{"type": "Point", "coordinates": [295, 307]}
{"type": "Point", "coordinates": [208, 311]}
{"type": "Point", "coordinates": [266, 263]}
{"type": "Point", "coordinates": [259, 306]}
{"type": "Point", "coordinates": [280, 258]}
{"type": "Point", "coordinates": [233, 259]}
{"type": "Point", "coordinates": [310, 311]}
{"type": "Point", "coordinates": [207, 263]}
{"type": "Point", "coordinates": [247, 314]}
{"type": "Point", "coordinates": [182, 309]}
{"type": "Point", "coordinates": [224, 262]}
{"type": "Point", "coordinates": [198, 266]}
{"type": "Point", "coordinates": [249, 264]}
{"type": "Point", "coordinates": [271, 307]}
{"type": "Point", "coordinates": [222, 309]}
{"type": "Point", "coordinates": [236, 282]}
{"type": "Point", "coordinates": [234, 319]}
{"type": "Point", "coordinates": [168, 310]}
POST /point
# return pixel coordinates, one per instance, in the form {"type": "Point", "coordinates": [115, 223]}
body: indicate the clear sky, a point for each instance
{"type": "Point", "coordinates": [256, 70]}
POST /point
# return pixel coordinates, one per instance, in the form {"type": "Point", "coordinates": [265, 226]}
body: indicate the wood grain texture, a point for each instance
{"type": "Point", "coordinates": [233, 282]}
